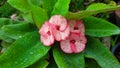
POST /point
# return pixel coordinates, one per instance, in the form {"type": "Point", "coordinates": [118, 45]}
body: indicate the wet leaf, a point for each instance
{"type": "Point", "coordinates": [24, 52]}
{"type": "Point", "coordinates": [99, 27]}
{"type": "Point", "coordinates": [96, 50]}
{"type": "Point", "coordinates": [61, 7]}
{"type": "Point", "coordinates": [16, 31]}
{"type": "Point", "coordinates": [92, 10]}
{"type": "Point", "coordinates": [68, 60]}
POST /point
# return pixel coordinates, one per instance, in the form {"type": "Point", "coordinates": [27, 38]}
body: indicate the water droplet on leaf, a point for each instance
{"type": "Point", "coordinates": [31, 52]}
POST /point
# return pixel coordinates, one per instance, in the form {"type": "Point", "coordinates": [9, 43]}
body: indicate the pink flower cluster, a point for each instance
{"type": "Point", "coordinates": [70, 34]}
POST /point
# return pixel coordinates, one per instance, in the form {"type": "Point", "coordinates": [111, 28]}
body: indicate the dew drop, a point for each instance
{"type": "Point", "coordinates": [25, 60]}
{"type": "Point", "coordinates": [22, 63]}
{"type": "Point", "coordinates": [31, 52]}
{"type": "Point", "coordinates": [20, 36]}
{"type": "Point", "coordinates": [16, 62]}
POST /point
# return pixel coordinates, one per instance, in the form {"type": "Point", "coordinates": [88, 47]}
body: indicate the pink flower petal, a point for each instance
{"type": "Point", "coordinates": [46, 34]}
{"type": "Point", "coordinates": [76, 26]}
{"type": "Point", "coordinates": [59, 21]}
{"type": "Point", "coordinates": [65, 46]}
{"type": "Point", "coordinates": [74, 44]}
{"type": "Point", "coordinates": [61, 35]}
{"type": "Point", "coordinates": [60, 27]}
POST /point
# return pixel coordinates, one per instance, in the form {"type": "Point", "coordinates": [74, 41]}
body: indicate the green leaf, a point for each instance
{"type": "Point", "coordinates": [9, 8]}
{"type": "Point", "coordinates": [4, 21]}
{"type": "Point", "coordinates": [35, 2]}
{"type": "Point", "coordinates": [38, 14]}
{"type": "Point", "coordinates": [16, 31]}
{"type": "Point", "coordinates": [68, 60]}
{"type": "Point", "coordinates": [21, 5]}
{"type": "Point", "coordinates": [98, 5]}
{"type": "Point", "coordinates": [7, 21]}
{"type": "Point", "coordinates": [91, 63]}
{"type": "Point", "coordinates": [48, 5]}
{"type": "Point", "coordinates": [24, 52]}
{"type": "Point", "coordinates": [40, 64]}
{"type": "Point", "coordinates": [99, 27]}
{"type": "Point", "coordinates": [96, 50]}
{"type": "Point", "coordinates": [28, 17]}
{"type": "Point", "coordinates": [90, 11]}
{"type": "Point", "coordinates": [5, 37]}
{"type": "Point", "coordinates": [61, 7]}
